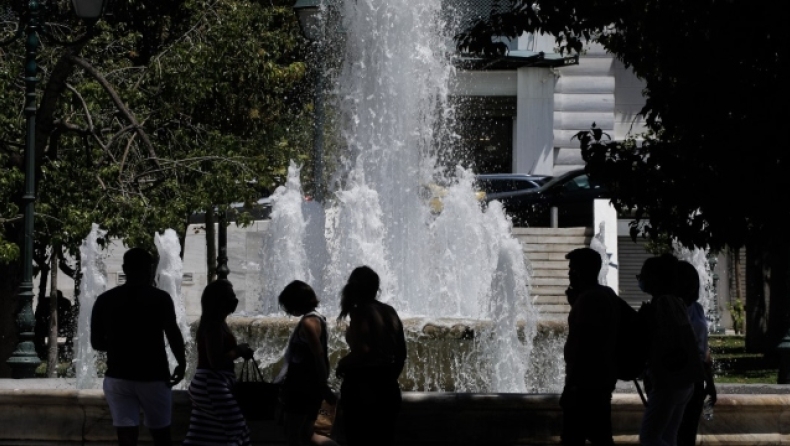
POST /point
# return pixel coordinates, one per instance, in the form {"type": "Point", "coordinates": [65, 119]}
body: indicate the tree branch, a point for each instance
{"type": "Point", "coordinates": [85, 65]}
{"type": "Point", "coordinates": [45, 122]}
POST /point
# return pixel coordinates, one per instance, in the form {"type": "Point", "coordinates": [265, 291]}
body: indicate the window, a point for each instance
{"type": "Point", "coordinates": [523, 184]}
{"type": "Point", "coordinates": [496, 186]}
{"type": "Point", "coordinates": [485, 127]}
{"type": "Point", "coordinates": [576, 183]}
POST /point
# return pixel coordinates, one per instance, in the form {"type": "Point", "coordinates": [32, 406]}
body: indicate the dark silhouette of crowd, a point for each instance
{"type": "Point", "coordinates": [131, 322]}
{"type": "Point", "coordinates": [666, 340]}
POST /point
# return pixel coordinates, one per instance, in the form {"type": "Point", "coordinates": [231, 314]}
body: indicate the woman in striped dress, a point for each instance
{"type": "Point", "coordinates": [216, 418]}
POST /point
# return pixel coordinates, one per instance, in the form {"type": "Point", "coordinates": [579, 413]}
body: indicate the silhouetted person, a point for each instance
{"type": "Point", "coordinates": [130, 323]}
{"type": "Point", "coordinates": [688, 290]}
{"type": "Point", "coordinates": [370, 394]}
{"type": "Point", "coordinates": [306, 368]}
{"type": "Point", "coordinates": [65, 326]}
{"type": "Point", "coordinates": [216, 418]}
{"type": "Point", "coordinates": [590, 366]}
{"type": "Point", "coordinates": [673, 364]}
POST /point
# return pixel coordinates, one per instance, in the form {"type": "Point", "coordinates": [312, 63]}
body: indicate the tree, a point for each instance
{"type": "Point", "coordinates": [709, 168]}
{"type": "Point", "coordinates": [158, 116]}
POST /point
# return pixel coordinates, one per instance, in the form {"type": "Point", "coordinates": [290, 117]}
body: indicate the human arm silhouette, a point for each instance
{"type": "Point", "coordinates": [99, 337]}
{"type": "Point", "coordinates": [176, 341]}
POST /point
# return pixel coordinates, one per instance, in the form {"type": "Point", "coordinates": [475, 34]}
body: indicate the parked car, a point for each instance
{"type": "Point", "coordinates": [497, 185]}
{"type": "Point", "coordinates": [572, 193]}
{"type": "Point", "coordinates": [488, 187]}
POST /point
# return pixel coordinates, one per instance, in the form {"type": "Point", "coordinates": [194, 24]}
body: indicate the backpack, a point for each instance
{"type": "Point", "coordinates": [631, 347]}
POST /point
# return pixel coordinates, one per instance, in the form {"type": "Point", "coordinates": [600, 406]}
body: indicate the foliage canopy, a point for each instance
{"type": "Point", "coordinates": [715, 74]}
{"type": "Point", "coordinates": [172, 107]}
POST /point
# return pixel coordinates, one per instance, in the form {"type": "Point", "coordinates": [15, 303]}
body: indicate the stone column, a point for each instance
{"type": "Point", "coordinates": [533, 151]}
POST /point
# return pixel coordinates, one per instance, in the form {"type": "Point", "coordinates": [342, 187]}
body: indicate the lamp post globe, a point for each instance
{"type": "Point", "coordinates": [88, 10]}
{"type": "Point", "coordinates": [309, 13]}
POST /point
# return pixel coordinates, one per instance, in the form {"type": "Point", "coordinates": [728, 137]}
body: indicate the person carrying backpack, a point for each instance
{"type": "Point", "coordinates": [590, 353]}
{"type": "Point", "coordinates": [673, 362]}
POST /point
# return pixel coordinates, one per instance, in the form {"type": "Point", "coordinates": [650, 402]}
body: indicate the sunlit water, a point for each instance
{"type": "Point", "coordinates": [461, 267]}
{"type": "Point", "coordinates": [168, 277]}
{"type": "Point", "coordinates": [92, 284]}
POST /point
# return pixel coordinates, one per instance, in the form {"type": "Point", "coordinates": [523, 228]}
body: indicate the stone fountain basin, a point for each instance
{"type": "Point", "coordinates": [444, 354]}
{"type": "Point", "coordinates": [43, 412]}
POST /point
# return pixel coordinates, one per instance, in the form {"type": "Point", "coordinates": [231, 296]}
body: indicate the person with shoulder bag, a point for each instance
{"type": "Point", "coordinates": [306, 370]}
{"type": "Point", "coordinates": [216, 417]}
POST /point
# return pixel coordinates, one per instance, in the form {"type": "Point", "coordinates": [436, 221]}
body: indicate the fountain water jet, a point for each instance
{"type": "Point", "coordinates": [168, 277]}
{"type": "Point", "coordinates": [459, 279]}
{"type": "Point", "coordinates": [92, 284]}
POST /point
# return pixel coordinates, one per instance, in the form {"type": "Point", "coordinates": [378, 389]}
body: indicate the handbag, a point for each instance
{"type": "Point", "coordinates": [257, 398]}
{"type": "Point", "coordinates": [326, 419]}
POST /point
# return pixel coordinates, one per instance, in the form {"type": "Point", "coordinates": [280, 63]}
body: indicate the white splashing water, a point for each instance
{"type": "Point", "coordinates": [92, 284]}
{"type": "Point", "coordinates": [699, 259]}
{"type": "Point", "coordinates": [285, 253]}
{"type": "Point", "coordinates": [460, 267]}
{"type": "Point", "coordinates": [169, 274]}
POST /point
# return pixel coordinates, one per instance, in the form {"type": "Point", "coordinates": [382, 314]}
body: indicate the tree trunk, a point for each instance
{"type": "Point", "coordinates": [211, 246]}
{"type": "Point", "coordinates": [767, 291]}
{"type": "Point", "coordinates": [756, 318]}
{"type": "Point", "coordinates": [778, 253]}
{"type": "Point", "coordinates": [52, 358]}
{"type": "Point", "coordinates": [736, 256]}
{"type": "Point", "coordinates": [40, 332]}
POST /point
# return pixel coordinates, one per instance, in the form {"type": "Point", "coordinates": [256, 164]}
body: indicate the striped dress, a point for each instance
{"type": "Point", "coordinates": [216, 418]}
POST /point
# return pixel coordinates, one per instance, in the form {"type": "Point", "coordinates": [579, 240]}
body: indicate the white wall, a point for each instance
{"type": "Point", "coordinates": [628, 101]}
{"type": "Point", "coordinates": [584, 94]}
{"type": "Point", "coordinates": [533, 150]}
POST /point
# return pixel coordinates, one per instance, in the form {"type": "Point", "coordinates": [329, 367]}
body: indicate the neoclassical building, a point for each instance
{"type": "Point", "coordinates": [529, 105]}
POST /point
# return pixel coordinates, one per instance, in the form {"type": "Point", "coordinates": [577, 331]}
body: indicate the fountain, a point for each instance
{"type": "Point", "coordinates": [93, 283]}
{"type": "Point", "coordinates": [168, 277]}
{"type": "Point", "coordinates": [459, 279]}
{"type": "Point", "coordinates": [699, 259]}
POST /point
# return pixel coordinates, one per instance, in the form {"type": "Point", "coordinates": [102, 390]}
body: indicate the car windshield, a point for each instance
{"type": "Point", "coordinates": [561, 179]}
{"type": "Point", "coordinates": [493, 185]}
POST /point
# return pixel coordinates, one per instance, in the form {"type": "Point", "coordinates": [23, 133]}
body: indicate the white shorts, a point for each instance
{"type": "Point", "coordinates": [126, 398]}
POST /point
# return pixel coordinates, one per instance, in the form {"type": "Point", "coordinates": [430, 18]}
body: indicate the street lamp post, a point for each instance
{"type": "Point", "coordinates": [24, 360]}
{"type": "Point", "coordinates": [312, 25]}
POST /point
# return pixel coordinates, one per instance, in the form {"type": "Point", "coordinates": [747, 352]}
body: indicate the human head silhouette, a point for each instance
{"type": "Point", "coordinates": [218, 300]}
{"type": "Point", "coordinates": [584, 265]}
{"type": "Point", "coordinates": [659, 275]}
{"type": "Point", "coordinates": [298, 298]}
{"type": "Point", "coordinates": [362, 286]}
{"type": "Point", "coordinates": [137, 263]}
{"type": "Point", "coordinates": [688, 282]}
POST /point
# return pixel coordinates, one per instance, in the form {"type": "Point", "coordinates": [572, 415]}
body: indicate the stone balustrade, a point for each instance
{"type": "Point", "coordinates": [80, 417]}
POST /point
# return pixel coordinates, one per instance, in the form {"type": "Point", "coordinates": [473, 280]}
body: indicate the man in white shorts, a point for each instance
{"type": "Point", "coordinates": [130, 323]}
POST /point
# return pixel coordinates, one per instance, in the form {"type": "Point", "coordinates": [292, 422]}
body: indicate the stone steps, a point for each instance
{"type": "Point", "coordinates": [546, 249]}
